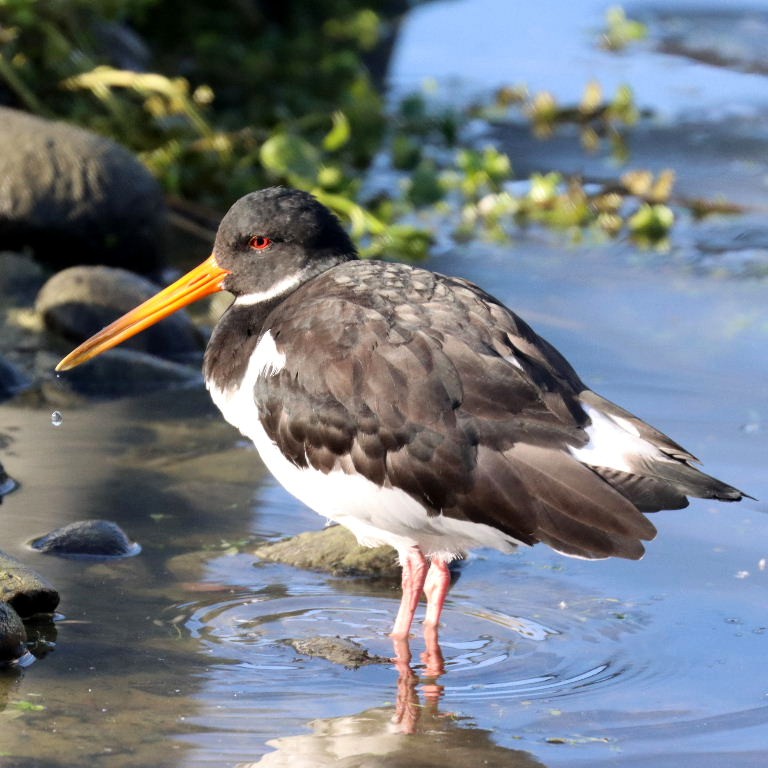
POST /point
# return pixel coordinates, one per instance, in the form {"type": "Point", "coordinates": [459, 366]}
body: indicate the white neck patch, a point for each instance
{"type": "Point", "coordinates": [280, 288]}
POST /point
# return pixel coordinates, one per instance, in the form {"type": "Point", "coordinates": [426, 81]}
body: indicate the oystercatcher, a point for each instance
{"type": "Point", "coordinates": [412, 407]}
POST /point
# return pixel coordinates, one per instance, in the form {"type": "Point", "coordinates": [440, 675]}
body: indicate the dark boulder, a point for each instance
{"type": "Point", "coordinates": [20, 279]}
{"type": "Point", "coordinates": [74, 197]}
{"type": "Point", "coordinates": [25, 589]}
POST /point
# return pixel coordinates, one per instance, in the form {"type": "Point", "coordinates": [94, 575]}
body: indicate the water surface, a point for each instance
{"type": "Point", "coordinates": [177, 657]}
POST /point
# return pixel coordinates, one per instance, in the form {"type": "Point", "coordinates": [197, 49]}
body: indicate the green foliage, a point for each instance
{"type": "Point", "coordinates": [340, 133]}
{"type": "Point", "coordinates": [594, 116]}
{"type": "Point", "coordinates": [425, 185]}
{"type": "Point", "coordinates": [292, 158]}
{"type": "Point", "coordinates": [249, 94]}
{"type": "Point", "coordinates": [621, 31]}
{"type": "Point", "coordinates": [482, 171]}
{"type": "Point", "coordinates": [651, 223]}
{"type": "Point", "coordinates": [270, 93]}
{"type": "Point", "coordinates": [402, 242]}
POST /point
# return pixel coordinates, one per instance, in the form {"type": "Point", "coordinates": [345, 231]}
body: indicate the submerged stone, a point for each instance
{"type": "Point", "coordinates": [25, 589]}
{"type": "Point", "coordinates": [126, 373]}
{"type": "Point", "coordinates": [337, 650]}
{"type": "Point", "coordinates": [91, 538]}
{"type": "Point", "coordinates": [13, 636]}
{"type": "Point", "coordinates": [7, 483]}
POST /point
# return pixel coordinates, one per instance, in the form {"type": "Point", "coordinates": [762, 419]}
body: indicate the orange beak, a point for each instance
{"type": "Point", "coordinates": [196, 284]}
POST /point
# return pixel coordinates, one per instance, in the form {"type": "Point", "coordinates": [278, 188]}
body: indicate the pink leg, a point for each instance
{"type": "Point", "coordinates": [436, 588]}
{"type": "Point", "coordinates": [414, 575]}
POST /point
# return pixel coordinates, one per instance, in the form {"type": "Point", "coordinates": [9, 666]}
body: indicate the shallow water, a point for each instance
{"type": "Point", "coordinates": [178, 657]}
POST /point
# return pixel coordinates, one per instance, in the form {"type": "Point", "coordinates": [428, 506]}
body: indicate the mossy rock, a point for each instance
{"type": "Point", "coordinates": [25, 589]}
{"type": "Point", "coordinates": [334, 550]}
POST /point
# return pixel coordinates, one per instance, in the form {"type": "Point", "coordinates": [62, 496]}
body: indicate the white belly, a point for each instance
{"type": "Point", "coordinates": [375, 514]}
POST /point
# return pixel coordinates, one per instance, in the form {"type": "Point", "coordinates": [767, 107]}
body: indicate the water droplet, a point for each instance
{"type": "Point", "coordinates": [742, 574]}
{"type": "Point", "coordinates": [56, 418]}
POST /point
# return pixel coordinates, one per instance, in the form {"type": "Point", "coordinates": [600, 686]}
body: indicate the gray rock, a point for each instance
{"type": "Point", "coordinates": [25, 589]}
{"type": "Point", "coordinates": [93, 538]}
{"type": "Point", "coordinates": [12, 381]}
{"type": "Point", "coordinates": [20, 279]}
{"type": "Point", "coordinates": [121, 373]}
{"type": "Point", "coordinates": [334, 550]}
{"type": "Point", "coordinates": [79, 301]}
{"type": "Point", "coordinates": [123, 47]}
{"type": "Point", "coordinates": [75, 197]}
{"type": "Point", "coordinates": [7, 483]}
{"type": "Point", "coordinates": [13, 636]}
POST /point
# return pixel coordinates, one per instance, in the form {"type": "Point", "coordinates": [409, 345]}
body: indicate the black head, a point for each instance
{"type": "Point", "coordinates": [276, 236]}
{"type": "Point", "coordinates": [268, 244]}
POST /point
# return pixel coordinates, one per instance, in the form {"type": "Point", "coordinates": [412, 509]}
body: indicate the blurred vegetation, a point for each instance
{"type": "Point", "coordinates": [218, 100]}
{"type": "Point", "coordinates": [620, 31]}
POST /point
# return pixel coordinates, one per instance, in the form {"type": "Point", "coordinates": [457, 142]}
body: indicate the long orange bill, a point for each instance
{"type": "Point", "coordinates": [196, 284]}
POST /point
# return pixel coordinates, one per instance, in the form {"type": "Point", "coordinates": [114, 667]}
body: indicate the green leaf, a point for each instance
{"type": "Point", "coordinates": [339, 134]}
{"type": "Point", "coordinates": [291, 158]}
{"type": "Point", "coordinates": [424, 184]}
{"type": "Point", "coordinates": [621, 31]}
{"type": "Point", "coordinates": [653, 221]}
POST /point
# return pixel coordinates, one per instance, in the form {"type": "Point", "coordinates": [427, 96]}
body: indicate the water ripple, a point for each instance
{"type": "Point", "coordinates": [489, 654]}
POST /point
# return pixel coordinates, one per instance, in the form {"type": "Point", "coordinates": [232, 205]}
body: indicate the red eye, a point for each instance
{"type": "Point", "coordinates": [259, 242]}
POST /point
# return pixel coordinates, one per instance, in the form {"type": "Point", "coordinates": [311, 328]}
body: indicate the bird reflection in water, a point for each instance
{"type": "Point", "coordinates": [408, 709]}
{"type": "Point", "coordinates": [413, 733]}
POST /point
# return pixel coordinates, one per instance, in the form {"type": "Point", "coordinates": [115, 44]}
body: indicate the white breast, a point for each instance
{"type": "Point", "coordinates": [375, 514]}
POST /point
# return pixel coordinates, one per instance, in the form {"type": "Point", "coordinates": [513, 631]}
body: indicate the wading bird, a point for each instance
{"type": "Point", "coordinates": [413, 408]}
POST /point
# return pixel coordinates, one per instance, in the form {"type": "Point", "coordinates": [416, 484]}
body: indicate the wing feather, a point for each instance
{"type": "Point", "coordinates": [433, 387]}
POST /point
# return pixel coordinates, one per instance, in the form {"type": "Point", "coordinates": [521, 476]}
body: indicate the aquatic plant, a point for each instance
{"type": "Point", "coordinates": [258, 96]}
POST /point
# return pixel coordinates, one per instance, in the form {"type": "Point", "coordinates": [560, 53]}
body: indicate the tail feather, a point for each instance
{"type": "Point", "coordinates": [648, 494]}
{"type": "Point", "coordinates": [669, 487]}
{"type": "Point", "coordinates": [660, 474]}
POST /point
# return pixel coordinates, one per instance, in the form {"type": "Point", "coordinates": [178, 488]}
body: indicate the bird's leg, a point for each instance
{"type": "Point", "coordinates": [433, 580]}
{"type": "Point", "coordinates": [436, 587]}
{"type": "Point", "coordinates": [415, 569]}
